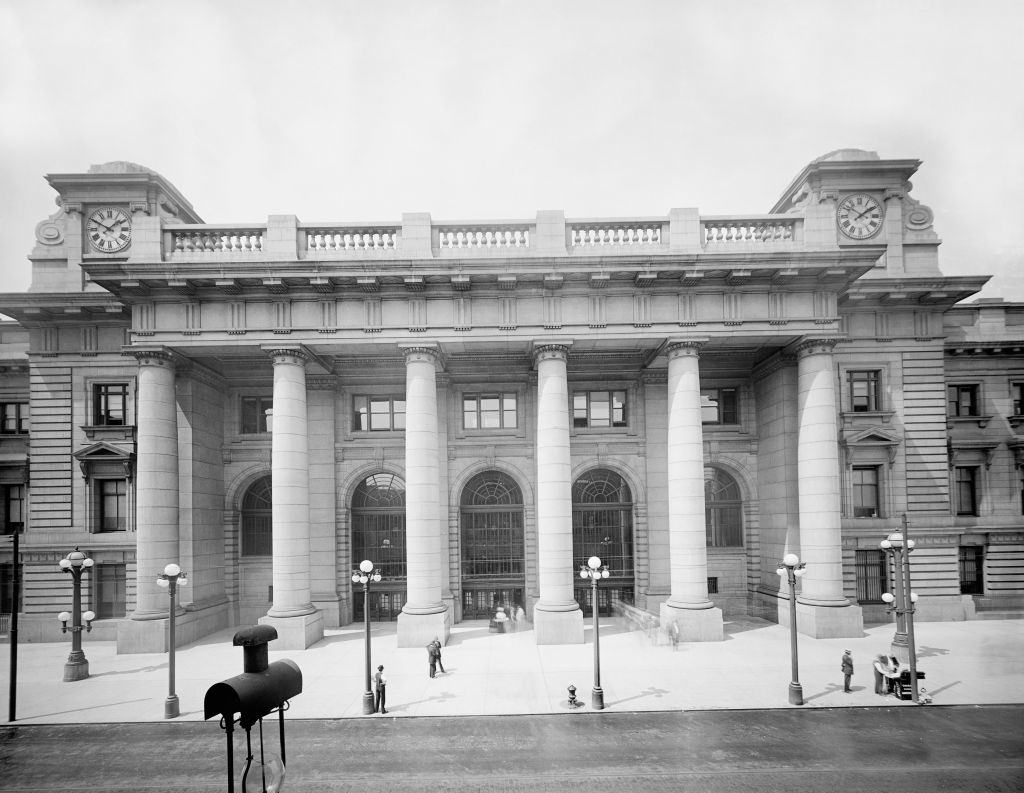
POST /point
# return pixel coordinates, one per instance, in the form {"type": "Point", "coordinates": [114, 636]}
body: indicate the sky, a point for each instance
{"type": "Point", "coordinates": [360, 111]}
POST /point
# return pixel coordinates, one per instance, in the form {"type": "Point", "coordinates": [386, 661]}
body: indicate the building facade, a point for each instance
{"type": "Point", "coordinates": [478, 407]}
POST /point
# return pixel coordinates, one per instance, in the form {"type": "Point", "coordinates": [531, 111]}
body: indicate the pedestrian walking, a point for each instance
{"type": "Point", "coordinates": [432, 655]}
{"type": "Point", "coordinates": [520, 616]}
{"type": "Point", "coordinates": [500, 618]}
{"type": "Point", "coordinates": [513, 619]}
{"type": "Point", "coordinates": [437, 654]}
{"type": "Point", "coordinates": [673, 633]}
{"type": "Point", "coordinates": [846, 664]}
{"type": "Point", "coordinates": [380, 689]}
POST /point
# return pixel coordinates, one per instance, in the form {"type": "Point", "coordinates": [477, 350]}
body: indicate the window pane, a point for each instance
{"type": "Point", "coordinates": [619, 408]}
{"type": "Point", "coordinates": [709, 407]}
{"type": "Point", "coordinates": [112, 504]}
{"type": "Point", "coordinates": [727, 406]}
{"type": "Point", "coordinates": [469, 413]}
{"type": "Point", "coordinates": [600, 414]}
{"type": "Point", "coordinates": [865, 492]}
{"type": "Point", "coordinates": [380, 414]}
{"type": "Point", "coordinates": [579, 410]}
{"type": "Point", "coordinates": [490, 411]}
{"type": "Point", "coordinates": [359, 414]}
{"type": "Point", "coordinates": [399, 421]}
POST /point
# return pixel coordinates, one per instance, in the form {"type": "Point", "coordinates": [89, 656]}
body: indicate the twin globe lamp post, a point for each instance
{"type": "Point", "coordinates": [171, 578]}
{"type": "Point", "coordinates": [595, 571]}
{"type": "Point", "coordinates": [76, 667]}
{"type": "Point", "coordinates": [792, 568]}
{"type": "Point", "coordinates": [364, 575]}
{"type": "Point", "coordinates": [898, 547]}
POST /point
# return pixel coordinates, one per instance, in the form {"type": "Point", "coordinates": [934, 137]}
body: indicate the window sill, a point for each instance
{"type": "Point", "coordinates": [981, 421]}
{"type": "Point", "coordinates": [874, 416]}
{"type": "Point", "coordinates": [109, 432]}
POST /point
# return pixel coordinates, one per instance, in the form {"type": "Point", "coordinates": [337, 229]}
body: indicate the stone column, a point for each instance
{"type": "Point", "coordinates": [424, 615]}
{"type": "Point", "coordinates": [156, 501]}
{"type": "Point", "coordinates": [822, 609]}
{"type": "Point", "coordinates": [688, 605]}
{"type": "Point", "coordinates": [298, 623]}
{"type": "Point", "coordinates": [557, 618]}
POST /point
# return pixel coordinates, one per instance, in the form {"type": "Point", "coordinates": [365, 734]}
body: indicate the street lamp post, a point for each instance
{"type": "Point", "coordinates": [792, 567]}
{"type": "Point", "coordinates": [76, 667]}
{"type": "Point", "coordinates": [364, 575]}
{"type": "Point", "coordinates": [595, 571]}
{"type": "Point", "coordinates": [171, 578]}
{"type": "Point", "coordinates": [898, 546]}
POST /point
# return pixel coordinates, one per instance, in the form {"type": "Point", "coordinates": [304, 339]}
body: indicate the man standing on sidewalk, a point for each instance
{"type": "Point", "coordinates": [847, 667]}
{"type": "Point", "coordinates": [380, 687]}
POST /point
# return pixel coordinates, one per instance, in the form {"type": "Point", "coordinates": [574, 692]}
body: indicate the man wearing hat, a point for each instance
{"type": "Point", "coordinates": [847, 667]}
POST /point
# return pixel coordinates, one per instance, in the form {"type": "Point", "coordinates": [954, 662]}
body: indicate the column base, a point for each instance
{"type": "Point", "coordinates": [296, 633]}
{"type": "Point", "coordinates": [418, 630]}
{"type": "Point", "coordinates": [695, 625]}
{"type": "Point", "coordinates": [825, 622]}
{"type": "Point", "coordinates": [557, 627]}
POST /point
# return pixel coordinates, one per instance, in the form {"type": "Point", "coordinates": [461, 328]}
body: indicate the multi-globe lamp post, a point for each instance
{"type": "Point", "coordinates": [902, 600]}
{"type": "Point", "coordinates": [595, 571]}
{"type": "Point", "coordinates": [364, 575]}
{"type": "Point", "coordinates": [76, 667]}
{"type": "Point", "coordinates": [171, 578]}
{"type": "Point", "coordinates": [791, 567]}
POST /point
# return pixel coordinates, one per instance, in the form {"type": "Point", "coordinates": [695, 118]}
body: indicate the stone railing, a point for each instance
{"type": "Point", "coordinates": [616, 233]}
{"type": "Point", "coordinates": [757, 229]}
{"type": "Point", "coordinates": [483, 236]}
{"type": "Point", "coordinates": [343, 237]}
{"type": "Point", "coordinates": [203, 239]}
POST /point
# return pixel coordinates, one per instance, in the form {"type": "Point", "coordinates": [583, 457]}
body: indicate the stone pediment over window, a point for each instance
{"type": "Point", "coordinates": [869, 445]}
{"type": "Point", "coordinates": [106, 460]}
{"type": "Point", "coordinates": [965, 452]}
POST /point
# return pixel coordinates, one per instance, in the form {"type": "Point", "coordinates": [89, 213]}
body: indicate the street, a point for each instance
{"type": "Point", "coordinates": [848, 749]}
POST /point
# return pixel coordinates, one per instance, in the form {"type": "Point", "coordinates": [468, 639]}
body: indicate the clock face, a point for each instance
{"type": "Point", "coordinates": [109, 229]}
{"type": "Point", "coordinates": [859, 216]}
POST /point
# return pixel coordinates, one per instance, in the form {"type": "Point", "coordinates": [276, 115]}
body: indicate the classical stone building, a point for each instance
{"type": "Point", "coordinates": [478, 407]}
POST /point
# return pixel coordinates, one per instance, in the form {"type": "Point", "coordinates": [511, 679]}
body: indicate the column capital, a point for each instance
{"type": "Point", "coordinates": [822, 346]}
{"type": "Point", "coordinates": [422, 352]}
{"type": "Point", "coordinates": [551, 349]}
{"type": "Point", "coordinates": [684, 346]}
{"type": "Point", "coordinates": [153, 356]}
{"type": "Point", "coordinates": [287, 353]}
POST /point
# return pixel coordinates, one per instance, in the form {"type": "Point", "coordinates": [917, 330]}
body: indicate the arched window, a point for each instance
{"type": "Point", "coordinates": [602, 526]}
{"type": "Point", "coordinates": [378, 534]}
{"type": "Point", "coordinates": [378, 524]}
{"type": "Point", "coordinates": [723, 509]}
{"type": "Point", "coordinates": [493, 547]}
{"type": "Point", "coordinates": [257, 519]}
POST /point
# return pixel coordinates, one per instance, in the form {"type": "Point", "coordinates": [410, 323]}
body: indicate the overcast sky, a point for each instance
{"type": "Point", "coordinates": [364, 110]}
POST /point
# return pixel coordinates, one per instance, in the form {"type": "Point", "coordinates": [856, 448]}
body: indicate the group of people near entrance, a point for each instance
{"type": "Point", "coordinates": [503, 622]}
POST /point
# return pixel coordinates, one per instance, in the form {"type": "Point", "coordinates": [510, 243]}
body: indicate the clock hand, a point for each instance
{"type": "Point", "coordinates": [105, 225]}
{"type": "Point", "coordinates": [862, 214]}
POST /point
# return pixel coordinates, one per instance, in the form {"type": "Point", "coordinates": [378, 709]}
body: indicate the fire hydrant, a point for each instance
{"type": "Point", "coordinates": [573, 703]}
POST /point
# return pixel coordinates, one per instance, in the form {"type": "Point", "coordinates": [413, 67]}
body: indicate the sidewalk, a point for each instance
{"type": "Point", "coordinates": [978, 662]}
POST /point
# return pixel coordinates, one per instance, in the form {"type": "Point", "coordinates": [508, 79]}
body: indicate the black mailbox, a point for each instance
{"type": "Point", "coordinates": [261, 689]}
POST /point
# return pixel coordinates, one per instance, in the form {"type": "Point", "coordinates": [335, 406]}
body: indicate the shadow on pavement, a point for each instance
{"type": "Point", "coordinates": [650, 691]}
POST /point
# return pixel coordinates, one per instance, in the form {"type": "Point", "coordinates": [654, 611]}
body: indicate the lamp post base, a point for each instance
{"type": "Point", "coordinates": [796, 694]}
{"type": "Point", "coordinates": [76, 668]}
{"type": "Point", "coordinates": [171, 707]}
{"type": "Point", "coordinates": [368, 706]}
{"type": "Point", "coordinates": [597, 698]}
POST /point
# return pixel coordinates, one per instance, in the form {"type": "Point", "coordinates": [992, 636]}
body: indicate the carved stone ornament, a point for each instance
{"type": "Point", "coordinates": [138, 208]}
{"type": "Point", "coordinates": [51, 230]}
{"type": "Point", "coordinates": [916, 216]}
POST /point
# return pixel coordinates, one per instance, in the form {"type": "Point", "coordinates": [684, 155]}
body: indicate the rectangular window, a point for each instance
{"type": "Point", "coordinates": [972, 579]}
{"type": "Point", "coordinates": [1017, 392]}
{"type": "Point", "coordinates": [110, 404]}
{"type": "Point", "coordinates": [109, 585]}
{"type": "Point", "coordinates": [489, 411]}
{"type": "Point", "coordinates": [254, 414]}
{"type": "Point", "coordinates": [13, 418]}
{"type": "Point", "coordinates": [599, 409]}
{"type": "Point", "coordinates": [375, 413]}
{"type": "Point", "coordinates": [865, 492]}
{"type": "Point", "coordinates": [865, 396]}
{"type": "Point", "coordinates": [257, 533]}
{"type": "Point", "coordinates": [872, 576]}
{"type": "Point", "coordinates": [962, 400]}
{"type": "Point", "coordinates": [713, 585]}
{"type": "Point", "coordinates": [111, 504]}
{"type": "Point", "coordinates": [965, 490]}
{"type": "Point", "coordinates": [14, 508]}
{"type": "Point", "coordinates": [719, 406]}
